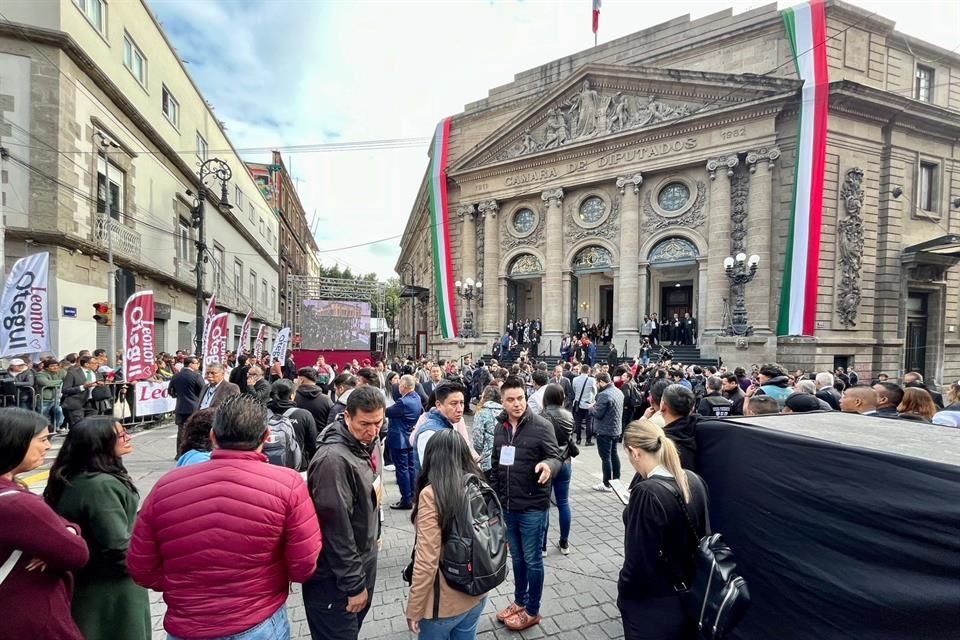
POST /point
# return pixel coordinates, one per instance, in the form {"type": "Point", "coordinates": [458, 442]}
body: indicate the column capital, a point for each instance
{"type": "Point", "coordinates": [770, 154]}
{"type": "Point", "coordinates": [623, 181]}
{"type": "Point", "coordinates": [727, 163]}
{"type": "Point", "coordinates": [468, 210]}
{"type": "Point", "coordinates": [550, 195]}
{"type": "Point", "coordinates": [490, 207]}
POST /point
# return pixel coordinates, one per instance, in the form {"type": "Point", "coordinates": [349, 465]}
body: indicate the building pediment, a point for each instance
{"type": "Point", "coordinates": [601, 102]}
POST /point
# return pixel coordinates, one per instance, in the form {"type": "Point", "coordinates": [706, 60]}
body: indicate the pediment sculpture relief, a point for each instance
{"type": "Point", "coordinates": [591, 112]}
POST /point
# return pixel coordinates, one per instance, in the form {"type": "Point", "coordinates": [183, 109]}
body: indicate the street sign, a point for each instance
{"type": "Point", "coordinates": [69, 312]}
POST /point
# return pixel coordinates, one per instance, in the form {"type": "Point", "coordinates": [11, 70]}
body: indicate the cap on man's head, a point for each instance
{"type": "Point", "coordinates": [17, 362]}
{"type": "Point", "coordinates": [309, 373]}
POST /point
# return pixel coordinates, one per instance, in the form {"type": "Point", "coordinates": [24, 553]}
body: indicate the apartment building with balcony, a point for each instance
{"type": "Point", "coordinates": [298, 247]}
{"type": "Point", "coordinates": [103, 132]}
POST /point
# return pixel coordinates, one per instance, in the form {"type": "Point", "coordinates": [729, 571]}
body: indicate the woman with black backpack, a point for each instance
{"type": "Point", "coordinates": [435, 610]}
{"type": "Point", "coordinates": [658, 542]}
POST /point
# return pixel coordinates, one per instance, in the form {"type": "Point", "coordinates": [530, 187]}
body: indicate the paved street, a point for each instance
{"type": "Point", "coordinates": [579, 599]}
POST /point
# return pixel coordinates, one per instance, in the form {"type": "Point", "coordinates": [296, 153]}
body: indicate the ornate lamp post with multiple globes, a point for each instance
{"type": "Point", "coordinates": [740, 271]}
{"type": "Point", "coordinates": [469, 290]}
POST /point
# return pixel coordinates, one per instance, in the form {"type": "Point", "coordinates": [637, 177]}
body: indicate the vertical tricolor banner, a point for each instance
{"type": "Point", "coordinates": [243, 342]}
{"type": "Point", "coordinates": [596, 16]}
{"type": "Point", "coordinates": [139, 361]}
{"type": "Point", "coordinates": [440, 232]}
{"type": "Point", "coordinates": [806, 26]}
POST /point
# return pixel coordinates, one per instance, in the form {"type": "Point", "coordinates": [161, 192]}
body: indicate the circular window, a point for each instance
{"type": "Point", "coordinates": [524, 221]}
{"type": "Point", "coordinates": [592, 210]}
{"type": "Point", "coordinates": [673, 196]}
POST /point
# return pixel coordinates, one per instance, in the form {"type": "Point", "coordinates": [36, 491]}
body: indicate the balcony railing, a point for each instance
{"type": "Point", "coordinates": [125, 241]}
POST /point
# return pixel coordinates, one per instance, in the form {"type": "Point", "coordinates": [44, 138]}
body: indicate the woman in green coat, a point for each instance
{"type": "Point", "coordinates": [90, 486]}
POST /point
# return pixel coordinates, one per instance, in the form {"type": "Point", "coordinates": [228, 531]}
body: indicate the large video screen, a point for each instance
{"type": "Point", "coordinates": [335, 324]}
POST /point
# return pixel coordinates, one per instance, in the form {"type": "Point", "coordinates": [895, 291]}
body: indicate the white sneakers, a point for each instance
{"type": "Point", "coordinates": [602, 488]}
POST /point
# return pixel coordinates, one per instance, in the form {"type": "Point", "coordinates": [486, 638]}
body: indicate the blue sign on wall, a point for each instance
{"type": "Point", "coordinates": [69, 312]}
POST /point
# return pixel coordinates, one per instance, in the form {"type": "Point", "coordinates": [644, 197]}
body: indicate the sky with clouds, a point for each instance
{"type": "Point", "coordinates": [302, 72]}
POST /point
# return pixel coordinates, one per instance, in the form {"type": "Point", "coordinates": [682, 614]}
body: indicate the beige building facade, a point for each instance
{"type": "Point", "coordinates": [75, 74]}
{"type": "Point", "coordinates": [616, 182]}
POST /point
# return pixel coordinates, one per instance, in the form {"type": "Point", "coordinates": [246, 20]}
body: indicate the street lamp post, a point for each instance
{"type": "Point", "coordinates": [220, 172]}
{"type": "Point", "coordinates": [469, 290]}
{"type": "Point", "coordinates": [740, 271]}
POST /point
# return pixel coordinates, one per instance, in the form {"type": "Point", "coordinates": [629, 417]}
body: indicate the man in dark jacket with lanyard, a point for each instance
{"type": "Point", "coordinates": [525, 458]}
{"type": "Point", "coordinates": [345, 483]}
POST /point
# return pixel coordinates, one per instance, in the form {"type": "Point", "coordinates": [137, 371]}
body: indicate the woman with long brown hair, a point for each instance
{"type": "Point", "coordinates": [917, 405]}
{"type": "Point", "coordinates": [665, 502]}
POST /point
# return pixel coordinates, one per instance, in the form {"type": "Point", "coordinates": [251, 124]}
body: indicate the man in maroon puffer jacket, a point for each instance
{"type": "Point", "coordinates": [223, 539]}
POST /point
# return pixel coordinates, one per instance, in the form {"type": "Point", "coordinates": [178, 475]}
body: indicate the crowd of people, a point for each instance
{"type": "Point", "coordinates": [289, 474]}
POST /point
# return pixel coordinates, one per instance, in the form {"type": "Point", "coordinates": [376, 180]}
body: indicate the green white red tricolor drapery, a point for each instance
{"type": "Point", "coordinates": [440, 232]}
{"type": "Point", "coordinates": [806, 26]}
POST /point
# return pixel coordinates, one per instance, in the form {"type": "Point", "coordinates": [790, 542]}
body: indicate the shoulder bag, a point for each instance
{"type": "Point", "coordinates": [718, 597]}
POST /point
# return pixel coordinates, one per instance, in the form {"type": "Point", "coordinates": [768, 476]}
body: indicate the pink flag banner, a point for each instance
{"type": "Point", "coordinates": [258, 343]}
{"type": "Point", "coordinates": [217, 340]}
{"type": "Point", "coordinates": [211, 312]}
{"type": "Point", "coordinates": [244, 338]}
{"type": "Point", "coordinates": [139, 359]}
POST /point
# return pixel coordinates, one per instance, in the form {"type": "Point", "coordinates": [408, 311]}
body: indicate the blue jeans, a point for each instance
{"type": "Point", "coordinates": [406, 473]}
{"type": "Point", "coordinates": [609, 458]}
{"type": "Point", "coordinates": [524, 536]}
{"type": "Point", "coordinates": [51, 409]}
{"type": "Point", "coordinates": [561, 490]}
{"type": "Point", "coordinates": [461, 627]}
{"type": "Point", "coordinates": [276, 627]}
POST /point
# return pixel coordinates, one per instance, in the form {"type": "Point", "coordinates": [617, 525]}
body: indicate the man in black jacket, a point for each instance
{"type": "Point", "coordinates": [525, 458]}
{"type": "Point", "coordinates": [185, 386]}
{"type": "Point", "coordinates": [304, 426]}
{"type": "Point", "coordinates": [76, 391]}
{"type": "Point", "coordinates": [345, 483]}
{"type": "Point", "coordinates": [238, 375]}
{"type": "Point", "coordinates": [730, 388]}
{"type": "Point", "coordinates": [257, 386]}
{"type": "Point", "coordinates": [676, 405]}
{"type": "Point", "coordinates": [713, 404]}
{"type": "Point", "coordinates": [312, 398]}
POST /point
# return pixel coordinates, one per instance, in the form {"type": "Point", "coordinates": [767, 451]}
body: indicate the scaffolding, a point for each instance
{"type": "Point", "coordinates": [300, 288]}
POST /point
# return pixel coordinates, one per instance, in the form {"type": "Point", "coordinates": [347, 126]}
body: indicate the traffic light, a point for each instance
{"type": "Point", "coordinates": [103, 313]}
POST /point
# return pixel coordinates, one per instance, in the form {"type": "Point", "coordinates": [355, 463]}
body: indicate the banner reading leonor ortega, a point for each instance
{"type": "Point", "coordinates": [25, 324]}
{"type": "Point", "coordinates": [217, 340]}
{"type": "Point", "coordinates": [139, 361]}
{"type": "Point", "coordinates": [280, 346]}
{"type": "Point", "coordinates": [152, 398]}
{"type": "Point", "coordinates": [258, 344]}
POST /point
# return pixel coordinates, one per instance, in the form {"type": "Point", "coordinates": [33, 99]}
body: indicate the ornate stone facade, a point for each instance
{"type": "Point", "coordinates": [850, 242]}
{"type": "Point", "coordinates": [624, 188]}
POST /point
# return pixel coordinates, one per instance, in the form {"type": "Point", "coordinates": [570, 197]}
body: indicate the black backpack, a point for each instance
{"type": "Point", "coordinates": [474, 555]}
{"type": "Point", "coordinates": [718, 597]}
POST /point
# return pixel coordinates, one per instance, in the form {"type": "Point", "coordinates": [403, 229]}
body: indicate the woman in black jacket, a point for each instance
{"type": "Point", "coordinates": [658, 541]}
{"type": "Point", "coordinates": [562, 421]}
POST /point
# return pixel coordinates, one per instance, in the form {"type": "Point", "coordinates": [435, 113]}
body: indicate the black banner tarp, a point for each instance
{"type": "Point", "coordinates": [844, 526]}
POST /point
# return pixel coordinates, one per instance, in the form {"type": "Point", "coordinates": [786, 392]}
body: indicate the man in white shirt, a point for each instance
{"type": "Point", "coordinates": [584, 392]}
{"type": "Point", "coordinates": [535, 401]}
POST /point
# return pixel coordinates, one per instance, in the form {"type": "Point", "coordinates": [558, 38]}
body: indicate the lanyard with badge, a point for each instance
{"type": "Point", "coordinates": [508, 452]}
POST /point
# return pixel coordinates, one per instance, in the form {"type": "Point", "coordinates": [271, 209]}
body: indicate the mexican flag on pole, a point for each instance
{"type": "Point", "coordinates": [806, 26]}
{"type": "Point", "coordinates": [440, 232]}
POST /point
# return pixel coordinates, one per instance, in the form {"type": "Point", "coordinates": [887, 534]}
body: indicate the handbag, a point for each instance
{"type": "Point", "coordinates": [718, 597]}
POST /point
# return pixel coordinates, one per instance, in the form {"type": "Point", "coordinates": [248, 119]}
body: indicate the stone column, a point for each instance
{"type": "Point", "coordinates": [702, 278]}
{"type": "Point", "coordinates": [552, 291]}
{"type": "Point", "coordinates": [717, 287]}
{"type": "Point", "coordinates": [759, 296]}
{"type": "Point", "coordinates": [565, 311]}
{"type": "Point", "coordinates": [627, 326]}
{"type": "Point", "coordinates": [468, 232]}
{"type": "Point", "coordinates": [642, 294]}
{"type": "Point", "coordinates": [492, 315]}
{"type": "Point", "coordinates": [501, 322]}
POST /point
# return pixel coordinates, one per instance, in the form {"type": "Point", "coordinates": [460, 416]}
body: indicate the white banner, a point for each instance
{"type": "Point", "coordinates": [243, 342]}
{"type": "Point", "coordinates": [152, 398]}
{"type": "Point", "coordinates": [280, 346]}
{"type": "Point", "coordinates": [23, 307]}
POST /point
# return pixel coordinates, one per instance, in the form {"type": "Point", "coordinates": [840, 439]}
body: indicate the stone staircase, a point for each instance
{"type": "Point", "coordinates": [687, 354]}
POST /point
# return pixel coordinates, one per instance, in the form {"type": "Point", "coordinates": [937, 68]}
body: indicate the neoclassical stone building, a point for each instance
{"type": "Point", "coordinates": [617, 181]}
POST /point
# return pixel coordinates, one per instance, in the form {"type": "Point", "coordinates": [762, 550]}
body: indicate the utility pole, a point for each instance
{"type": "Point", "coordinates": [106, 144]}
{"type": "Point", "coordinates": [220, 170]}
{"type": "Point", "coordinates": [4, 154]}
